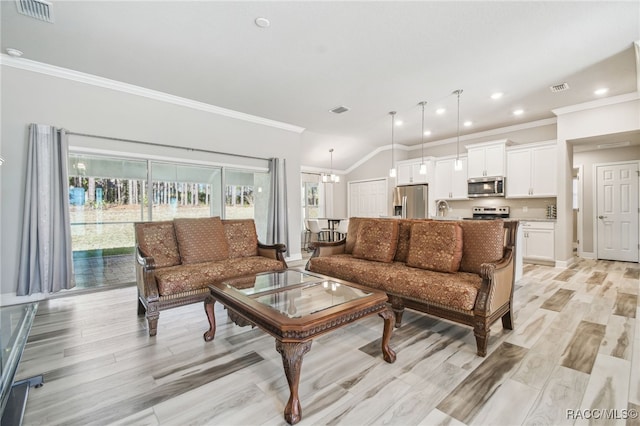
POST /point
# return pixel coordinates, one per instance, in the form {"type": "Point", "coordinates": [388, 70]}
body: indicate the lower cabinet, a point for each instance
{"type": "Point", "coordinates": [538, 239]}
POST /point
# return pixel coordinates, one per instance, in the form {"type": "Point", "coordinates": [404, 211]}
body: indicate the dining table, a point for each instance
{"type": "Point", "coordinates": [332, 224]}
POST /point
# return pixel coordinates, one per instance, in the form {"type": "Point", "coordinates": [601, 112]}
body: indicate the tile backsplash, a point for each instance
{"type": "Point", "coordinates": [520, 208]}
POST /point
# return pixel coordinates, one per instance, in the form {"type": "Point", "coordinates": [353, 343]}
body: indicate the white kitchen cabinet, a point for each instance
{"type": "Point", "coordinates": [449, 183]}
{"type": "Point", "coordinates": [538, 241]}
{"type": "Point", "coordinates": [486, 159]}
{"type": "Point", "coordinates": [409, 171]}
{"type": "Point", "coordinates": [531, 171]}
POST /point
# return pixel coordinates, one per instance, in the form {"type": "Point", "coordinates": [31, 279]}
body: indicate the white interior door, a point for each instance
{"type": "Point", "coordinates": [368, 199]}
{"type": "Point", "coordinates": [617, 211]}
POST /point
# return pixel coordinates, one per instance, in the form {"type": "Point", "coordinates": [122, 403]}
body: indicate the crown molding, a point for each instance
{"type": "Point", "coordinates": [94, 80]}
{"type": "Point", "coordinates": [627, 97]}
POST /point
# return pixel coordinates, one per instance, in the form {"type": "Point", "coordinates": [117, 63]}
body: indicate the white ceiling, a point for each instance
{"type": "Point", "coordinates": [373, 57]}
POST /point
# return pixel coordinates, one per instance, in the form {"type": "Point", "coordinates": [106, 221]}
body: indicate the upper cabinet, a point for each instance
{"type": "Point", "coordinates": [486, 159]}
{"type": "Point", "coordinates": [409, 171]}
{"type": "Point", "coordinates": [449, 183]}
{"type": "Point", "coordinates": [531, 171]}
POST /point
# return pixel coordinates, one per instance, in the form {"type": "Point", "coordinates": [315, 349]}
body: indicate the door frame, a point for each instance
{"type": "Point", "coordinates": [595, 200]}
{"type": "Point", "coordinates": [579, 217]}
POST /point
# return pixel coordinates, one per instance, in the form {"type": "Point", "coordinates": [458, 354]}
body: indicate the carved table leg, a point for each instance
{"type": "Point", "coordinates": [389, 321]}
{"type": "Point", "coordinates": [208, 308]}
{"type": "Point", "coordinates": [292, 354]}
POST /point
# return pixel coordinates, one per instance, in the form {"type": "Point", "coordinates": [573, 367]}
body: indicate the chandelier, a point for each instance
{"type": "Point", "coordinates": [330, 178]}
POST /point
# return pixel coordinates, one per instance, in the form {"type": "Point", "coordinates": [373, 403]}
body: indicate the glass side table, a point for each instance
{"type": "Point", "coordinates": [15, 324]}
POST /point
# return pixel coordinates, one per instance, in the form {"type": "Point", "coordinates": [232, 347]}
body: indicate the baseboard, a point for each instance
{"type": "Point", "coordinates": [293, 257]}
{"type": "Point", "coordinates": [8, 299]}
{"type": "Point", "coordinates": [565, 263]}
{"type": "Point", "coordinates": [587, 255]}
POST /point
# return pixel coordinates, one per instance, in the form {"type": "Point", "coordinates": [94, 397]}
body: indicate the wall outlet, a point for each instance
{"type": "Point", "coordinates": [525, 209]}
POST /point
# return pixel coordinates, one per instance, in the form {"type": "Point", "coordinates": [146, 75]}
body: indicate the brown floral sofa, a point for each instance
{"type": "Point", "coordinates": [178, 259]}
{"type": "Point", "coordinates": [462, 271]}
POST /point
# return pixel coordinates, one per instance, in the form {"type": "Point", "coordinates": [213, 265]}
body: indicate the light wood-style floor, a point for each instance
{"type": "Point", "coordinates": [575, 349]}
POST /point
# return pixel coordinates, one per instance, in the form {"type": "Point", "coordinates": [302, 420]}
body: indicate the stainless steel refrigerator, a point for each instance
{"type": "Point", "coordinates": [411, 201]}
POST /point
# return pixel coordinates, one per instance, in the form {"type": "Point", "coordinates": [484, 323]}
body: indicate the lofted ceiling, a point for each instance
{"type": "Point", "coordinates": [372, 57]}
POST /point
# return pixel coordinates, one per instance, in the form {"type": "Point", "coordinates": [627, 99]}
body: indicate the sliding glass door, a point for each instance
{"type": "Point", "coordinates": [184, 191]}
{"type": "Point", "coordinates": [107, 195]}
{"type": "Point", "coordinates": [246, 196]}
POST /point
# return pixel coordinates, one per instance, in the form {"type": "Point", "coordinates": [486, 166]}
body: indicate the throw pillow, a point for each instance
{"type": "Point", "coordinates": [241, 237]}
{"type": "Point", "coordinates": [436, 246]}
{"type": "Point", "coordinates": [404, 236]}
{"type": "Point", "coordinates": [377, 240]}
{"type": "Point", "coordinates": [201, 239]}
{"type": "Point", "coordinates": [483, 243]}
{"type": "Point", "coordinates": [158, 240]}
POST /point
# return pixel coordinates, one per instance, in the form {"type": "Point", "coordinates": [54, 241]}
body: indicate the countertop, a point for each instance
{"type": "Point", "coordinates": [521, 219]}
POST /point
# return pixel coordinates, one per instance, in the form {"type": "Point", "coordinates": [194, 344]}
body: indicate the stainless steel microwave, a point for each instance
{"type": "Point", "coordinates": [488, 186]}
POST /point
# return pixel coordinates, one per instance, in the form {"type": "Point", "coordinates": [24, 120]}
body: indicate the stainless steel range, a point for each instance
{"type": "Point", "coordinates": [488, 213]}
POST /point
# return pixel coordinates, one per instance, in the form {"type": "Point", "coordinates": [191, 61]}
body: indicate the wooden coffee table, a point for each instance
{"type": "Point", "coordinates": [295, 307]}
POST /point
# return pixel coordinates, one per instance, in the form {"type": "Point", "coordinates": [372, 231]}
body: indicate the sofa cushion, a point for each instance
{"type": "Point", "coordinates": [483, 243]}
{"type": "Point", "coordinates": [436, 246]}
{"type": "Point", "coordinates": [455, 291]}
{"type": "Point", "coordinates": [241, 237]}
{"type": "Point", "coordinates": [377, 240]}
{"type": "Point", "coordinates": [185, 278]}
{"type": "Point", "coordinates": [352, 234]}
{"type": "Point", "coordinates": [404, 236]}
{"type": "Point", "coordinates": [158, 240]}
{"type": "Point", "coordinates": [201, 239]}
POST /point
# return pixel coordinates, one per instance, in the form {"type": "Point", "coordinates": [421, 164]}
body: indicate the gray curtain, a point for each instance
{"type": "Point", "coordinates": [45, 252]}
{"type": "Point", "coordinates": [278, 219]}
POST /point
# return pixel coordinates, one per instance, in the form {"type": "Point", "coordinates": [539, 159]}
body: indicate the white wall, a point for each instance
{"type": "Point", "coordinates": [32, 97]}
{"type": "Point", "coordinates": [587, 160]}
{"type": "Point", "coordinates": [609, 116]}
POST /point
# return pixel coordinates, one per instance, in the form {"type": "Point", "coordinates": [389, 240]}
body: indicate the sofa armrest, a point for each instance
{"type": "Point", "coordinates": [273, 251]}
{"type": "Point", "coordinates": [328, 248]}
{"type": "Point", "coordinates": [497, 284]}
{"type": "Point", "coordinates": [145, 276]}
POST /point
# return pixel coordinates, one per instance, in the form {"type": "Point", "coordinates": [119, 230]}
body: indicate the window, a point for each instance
{"type": "Point", "coordinates": [108, 194]}
{"type": "Point", "coordinates": [312, 207]}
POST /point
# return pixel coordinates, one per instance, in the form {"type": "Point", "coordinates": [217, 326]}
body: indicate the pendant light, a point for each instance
{"type": "Point", "coordinates": [423, 167]}
{"type": "Point", "coordinates": [330, 178]}
{"type": "Point", "coordinates": [457, 164]}
{"type": "Point", "coordinates": [392, 170]}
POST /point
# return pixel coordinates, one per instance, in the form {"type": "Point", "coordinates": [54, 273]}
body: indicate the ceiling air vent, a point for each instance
{"type": "Point", "coordinates": [339, 109]}
{"type": "Point", "coordinates": [38, 9]}
{"type": "Point", "coordinates": [559, 87]}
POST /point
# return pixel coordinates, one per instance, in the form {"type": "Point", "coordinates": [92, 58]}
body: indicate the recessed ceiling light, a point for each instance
{"type": "Point", "coordinates": [399, 122]}
{"type": "Point", "coordinates": [440, 111]}
{"type": "Point", "coordinates": [427, 132]}
{"type": "Point", "coordinates": [467, 123]}
{"type": "Point", "coordinates": [496, 95]}
{"type": "Point", "coordinates": [601, 91]}
{"type": "Point", "coordinates": [13, 52]}
{"type": "Point", "coordinates": [518, 111]}
{"type": "Point", "coordinates": [263, 22]}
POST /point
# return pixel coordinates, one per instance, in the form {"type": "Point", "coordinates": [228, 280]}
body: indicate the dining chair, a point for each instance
{"type": "Point", "coordinates": [307, 235]}
{"type": "Point", "coordinates": [341, 230]}
{"type": "Point", "coordinates": [314, 227]}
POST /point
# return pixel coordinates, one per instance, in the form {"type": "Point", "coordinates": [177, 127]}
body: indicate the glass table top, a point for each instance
{"type": "Point", "coordinates": [295, 293]}
{"type": "Point", "coordinates": [15, 323]}
{"type": "Point", "coordinates": [271, 281]}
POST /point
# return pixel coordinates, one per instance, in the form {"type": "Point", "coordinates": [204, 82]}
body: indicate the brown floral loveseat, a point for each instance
{"type": "Point", "coordinates": [462, 271]}
{"type": "Point", "coordinates": [178, 259]}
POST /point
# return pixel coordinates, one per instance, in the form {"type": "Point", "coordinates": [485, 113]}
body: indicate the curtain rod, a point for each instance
{"type": "Point", "coordinates": [164, 145]}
